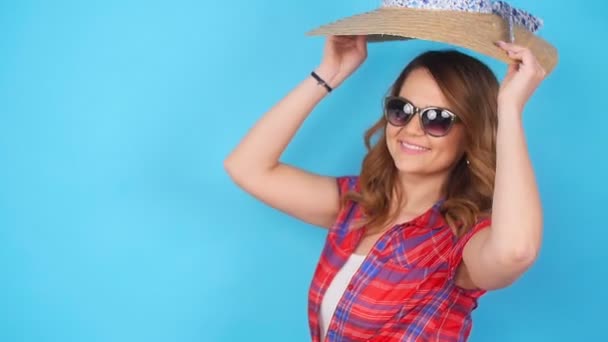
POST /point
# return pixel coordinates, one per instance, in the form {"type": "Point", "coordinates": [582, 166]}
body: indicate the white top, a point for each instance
{"type": "Point", "coordinates": [336, 289]}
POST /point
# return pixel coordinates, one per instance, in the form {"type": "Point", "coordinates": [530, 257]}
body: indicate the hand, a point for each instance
{"type": "Point", "coordinates": [522, 79]}
{"type": "Point", "coordinates": [342, 56]}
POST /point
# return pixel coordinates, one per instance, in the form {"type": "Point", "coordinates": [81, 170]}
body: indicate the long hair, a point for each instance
{"type": "Point", "coordinates": [471, 89]}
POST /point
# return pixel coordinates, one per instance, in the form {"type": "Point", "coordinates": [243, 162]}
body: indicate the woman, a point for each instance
{"type": "Point", "coordinates": [446, 206]}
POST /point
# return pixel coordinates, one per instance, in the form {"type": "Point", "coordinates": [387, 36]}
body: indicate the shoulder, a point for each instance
{"type": "Point", "coordinates": [349, 208]}
{"type": "Point", "coordinates": [473, 232]}
{"type": "Point", "coordinates": [479, 225]}
{"type": "Point", "coordinates": [347, 183]}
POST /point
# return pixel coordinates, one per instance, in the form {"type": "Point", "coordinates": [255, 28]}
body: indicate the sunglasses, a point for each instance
{"type": "Point", "coordinates": [435, 121]}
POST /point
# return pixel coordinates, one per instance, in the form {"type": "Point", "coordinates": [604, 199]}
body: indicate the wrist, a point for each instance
{"type": "Point", "coordinates": [509, 106]}
{"type": "Point", "coordinates": [321, 81]}
{"type": "Point", "coordinates": [510, 117]}
{"type": "Point", "coordinates": [327, 74]}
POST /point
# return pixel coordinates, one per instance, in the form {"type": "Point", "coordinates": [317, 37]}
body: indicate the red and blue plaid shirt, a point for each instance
{"type": "Point", "coordinates": [404, 290]}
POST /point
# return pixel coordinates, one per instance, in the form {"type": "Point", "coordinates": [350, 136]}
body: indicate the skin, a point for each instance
{"type": "Point", "coordinates": [493, 258]}
{"type": "Point", "coordinates": [422, 173]}
{"type": "Point", "coordinates": [496, 257]}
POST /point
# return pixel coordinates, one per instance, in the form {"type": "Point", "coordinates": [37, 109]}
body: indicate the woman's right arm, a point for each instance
{"type": "Point", "coordinates": [254, 164]}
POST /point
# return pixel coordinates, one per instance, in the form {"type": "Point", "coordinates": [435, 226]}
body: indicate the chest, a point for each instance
{"type": "Point", "coordinates": [405, 271]}
{"type": "Point", "coordinates": [414, 250]}
{"type": "Point", "coordinates": [408, 246]}
{"type": "Point", "coordinates": [366, 243]}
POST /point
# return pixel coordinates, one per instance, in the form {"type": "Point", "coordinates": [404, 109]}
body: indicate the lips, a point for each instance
{"type": "Point", "coordinates": [414, 147]}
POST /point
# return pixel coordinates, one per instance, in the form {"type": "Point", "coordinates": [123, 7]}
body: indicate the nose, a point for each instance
{"type": "Point", "coordinates": [413, 127]}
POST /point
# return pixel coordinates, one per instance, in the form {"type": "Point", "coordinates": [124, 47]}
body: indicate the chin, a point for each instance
{"type": "Point", "coordinates": [411, 167]}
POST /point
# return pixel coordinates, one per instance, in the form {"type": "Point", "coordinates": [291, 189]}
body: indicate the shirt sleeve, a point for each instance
{"type": "Point", "coordinates": [347, 209]}
{"type": "Point", "coordinates": [346, 183]}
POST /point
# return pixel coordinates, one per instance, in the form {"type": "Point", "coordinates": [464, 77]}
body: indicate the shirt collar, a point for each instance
{"type": "Point", "coordinates": [432, 218]}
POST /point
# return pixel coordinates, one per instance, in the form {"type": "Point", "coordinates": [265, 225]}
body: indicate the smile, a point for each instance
{"type": "Point", "coordinates": [412, 148]}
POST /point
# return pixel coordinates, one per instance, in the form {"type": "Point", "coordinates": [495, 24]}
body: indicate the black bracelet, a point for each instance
{"type": "Point", "coordinates": [321, 81]}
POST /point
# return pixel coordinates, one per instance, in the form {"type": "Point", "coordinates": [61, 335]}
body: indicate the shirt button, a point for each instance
{"type": "Point", "coordinates": [350, 287]}
{"type": "Point", "coordinates": [334, 326]}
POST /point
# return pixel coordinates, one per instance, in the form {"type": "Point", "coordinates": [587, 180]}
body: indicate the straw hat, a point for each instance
{"type": "Point", "coordinates": [471, 24]}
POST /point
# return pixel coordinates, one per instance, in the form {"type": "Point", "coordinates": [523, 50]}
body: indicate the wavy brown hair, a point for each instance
{"type": "Point", "coordinates": [471, 89]}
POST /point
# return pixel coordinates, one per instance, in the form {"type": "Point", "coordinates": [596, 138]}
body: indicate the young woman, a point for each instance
{"type": "Point", "coordinates": [445, 208]}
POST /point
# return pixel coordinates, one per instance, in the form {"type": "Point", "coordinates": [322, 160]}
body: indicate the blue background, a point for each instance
{"type": "Point", "coordinates": [118, 222]}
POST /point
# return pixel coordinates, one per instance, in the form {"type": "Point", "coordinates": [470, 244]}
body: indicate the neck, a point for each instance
{"type": "Point", "coordinates": [420, 192]}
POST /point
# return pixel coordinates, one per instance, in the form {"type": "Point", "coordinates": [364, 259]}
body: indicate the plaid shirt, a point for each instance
{"type": "Point", "coordinates": [404, 290]}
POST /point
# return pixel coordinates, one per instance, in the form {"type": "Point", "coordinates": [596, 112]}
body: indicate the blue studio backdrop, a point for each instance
{"type": "Point", "coordinates": [118, 222]}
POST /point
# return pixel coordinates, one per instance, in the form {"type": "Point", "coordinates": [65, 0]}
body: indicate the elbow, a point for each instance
{"type": "Point", "coordinates": [507, 269]}
{"type": "Point", "coordinates": [228, 165]}
{"type": "Point", "coordinates": [243, 171]}
{"type": "Point", "coordinates": [519, 258]}
{"type": "Point", "coordinates": [519, 252]}
{"type": "Point", "coordinates": [232, 169]}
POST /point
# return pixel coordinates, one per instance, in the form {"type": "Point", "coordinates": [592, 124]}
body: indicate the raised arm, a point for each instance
{"type": "Point", "coordinates": [255, 165]}
{"type": "Point", "coordinates": [498, 256]}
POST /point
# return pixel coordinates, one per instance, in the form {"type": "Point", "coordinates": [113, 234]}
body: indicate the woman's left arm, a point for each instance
{"type": "Point", "coordinates": [495, 257]}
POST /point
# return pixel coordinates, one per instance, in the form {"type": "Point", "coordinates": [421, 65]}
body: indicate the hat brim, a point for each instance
{"type": "Point", "coordinates": [470, 30]}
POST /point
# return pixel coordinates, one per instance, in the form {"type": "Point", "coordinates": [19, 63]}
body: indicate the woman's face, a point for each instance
{"type": "Point", "coordinates": [415, 152]}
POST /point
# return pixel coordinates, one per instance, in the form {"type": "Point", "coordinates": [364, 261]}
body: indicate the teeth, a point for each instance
{"type": "Point", "coordinates": [413, 147]}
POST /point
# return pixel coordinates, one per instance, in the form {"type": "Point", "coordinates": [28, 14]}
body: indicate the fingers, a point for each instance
{"type": "Point", "coordinates": [512, 68]}
{"type": "Point", "coordinates": [509, 46]}
{"type": "Point", "coordinates": [344, 39]}
{"type": "Point", "coordinates": [348, 38]}
{"type": "Point", "coordinates": [361, 43]}
{"type": "Point", "coordinates": [358, 42]}
{"type": "Point", "coordinates": [523, 56]}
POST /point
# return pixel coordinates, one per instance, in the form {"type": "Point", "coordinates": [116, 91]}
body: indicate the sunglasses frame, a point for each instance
{"type": "Point", "coordinates": [419, 112]}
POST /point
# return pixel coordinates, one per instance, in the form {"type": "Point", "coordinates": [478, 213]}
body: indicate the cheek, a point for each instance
{"type": "Point", "coordinates": [391, 131]}
{"type": "Point", "coordinates": [451, 145]}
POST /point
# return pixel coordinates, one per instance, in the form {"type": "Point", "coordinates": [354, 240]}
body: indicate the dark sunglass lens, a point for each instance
{"type": "Point", "coordinates": [436, 122]}
{"type": "Point", "coordinates": [398, 112]}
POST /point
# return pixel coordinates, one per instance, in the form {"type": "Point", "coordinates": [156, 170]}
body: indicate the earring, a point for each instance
{"type": "Point", "coordinates": [468, 162]}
